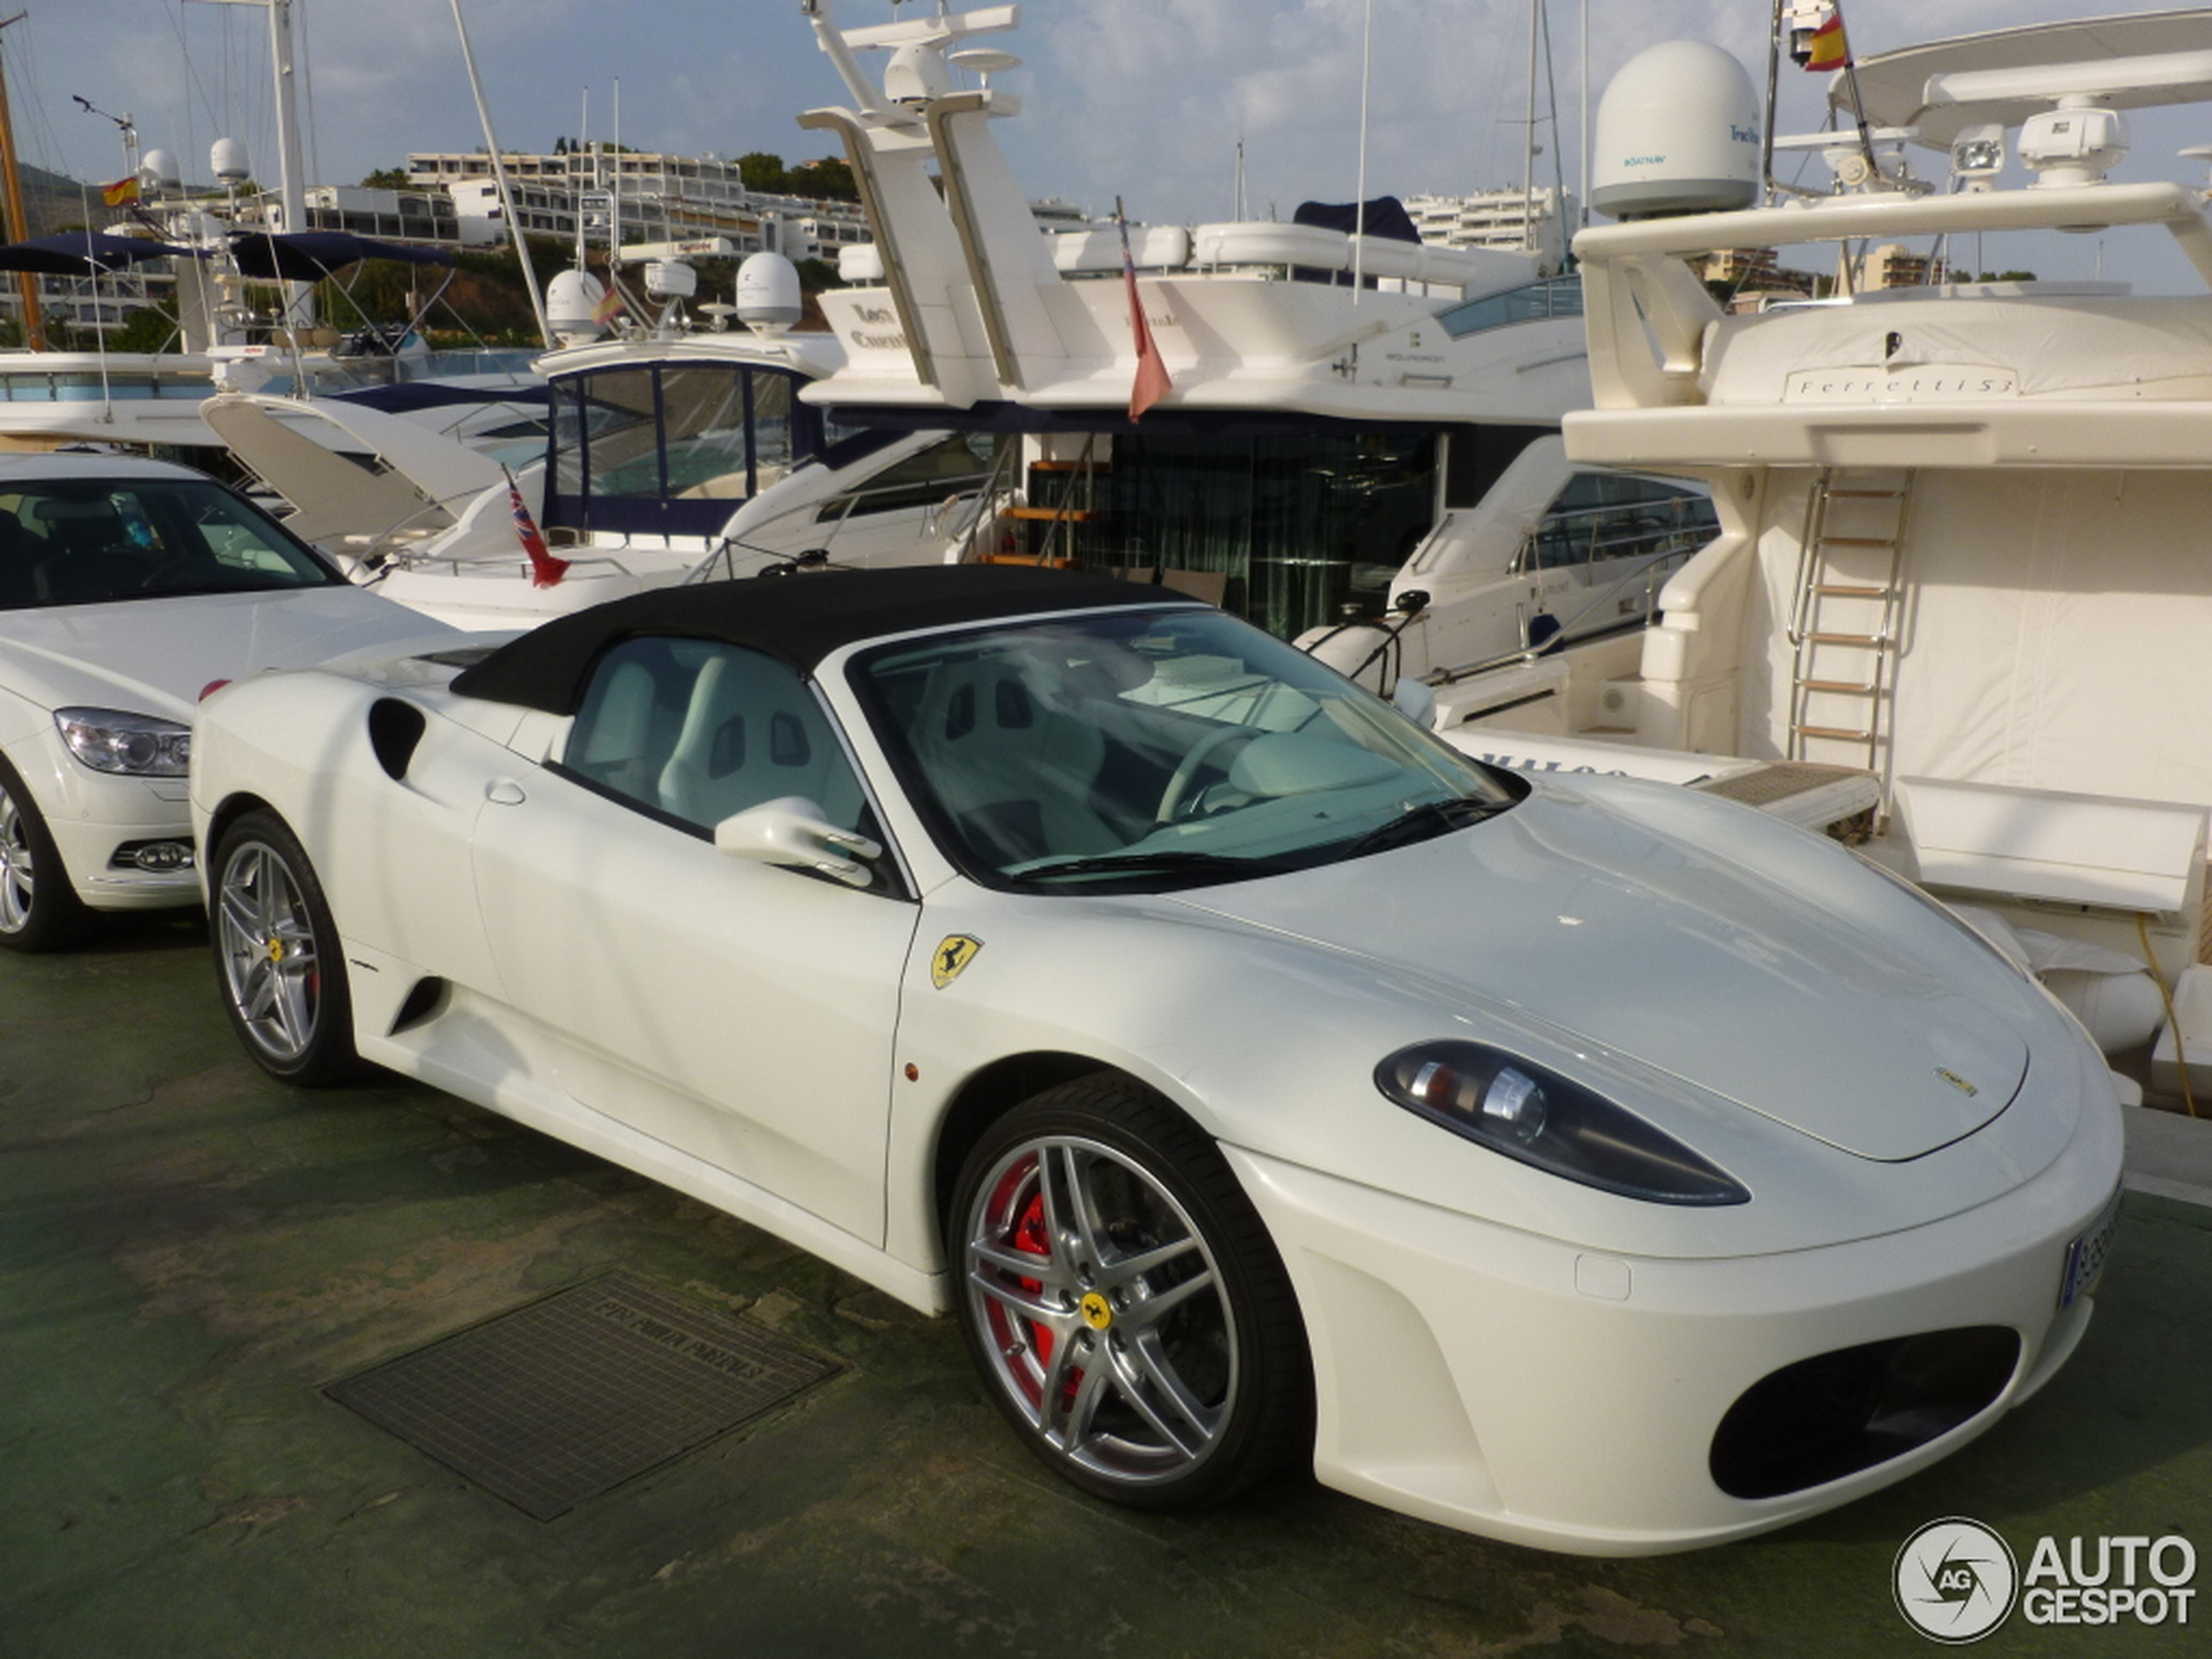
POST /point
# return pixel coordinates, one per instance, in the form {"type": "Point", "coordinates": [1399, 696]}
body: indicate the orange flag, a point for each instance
{"type": "Point", "coordinates": [1152, 383]}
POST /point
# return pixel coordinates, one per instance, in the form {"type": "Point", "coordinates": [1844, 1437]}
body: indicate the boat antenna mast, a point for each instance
{"type": "Point", "coordinates": [499, 178]}
{"type": "Point", "coordinates": [33, 323]}
{"type": "Point", "coordinates": [1811, 33]}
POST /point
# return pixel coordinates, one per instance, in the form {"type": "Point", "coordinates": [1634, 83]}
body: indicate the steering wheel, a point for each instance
{"type": "Point", "coordinates": [1186, 771]}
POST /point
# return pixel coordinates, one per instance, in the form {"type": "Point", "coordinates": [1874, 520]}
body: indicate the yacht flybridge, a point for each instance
{"type": "Point", "coordinates": [1964, 573]}
{"type": "Point", "coordinates": [1343, 411]}
{"type": "Point", "coordinates": [1339, 408]}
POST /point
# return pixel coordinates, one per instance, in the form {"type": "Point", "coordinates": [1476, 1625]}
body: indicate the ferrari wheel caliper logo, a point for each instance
{"type": "Point", "coordinates": [1098, 1313]}
{"type": "Point", "coordinates": [952, 953]}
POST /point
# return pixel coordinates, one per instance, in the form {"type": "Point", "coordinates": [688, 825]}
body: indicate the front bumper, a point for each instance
{"type": "Point", "coordinates": [1514, 1386]}
{"type": "Point", "coordinates": [91, 815]}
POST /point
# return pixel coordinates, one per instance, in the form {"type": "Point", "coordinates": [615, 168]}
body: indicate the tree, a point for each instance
{"type": "Point", "coordinates": [828, 179]}
{"type": "Point", "coordinates": [764, 173]}
{"type": "Point", "coordinates": [387, 178]}
{"type": "Point", "coordinates": [152, 328]}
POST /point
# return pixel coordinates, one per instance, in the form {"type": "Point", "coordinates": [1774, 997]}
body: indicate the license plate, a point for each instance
{"type": "Point", "coordinates": [2086, 1256]}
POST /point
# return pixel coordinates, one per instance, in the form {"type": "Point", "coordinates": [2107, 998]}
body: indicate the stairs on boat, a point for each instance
{"type": "Point", "coordinates": [1845, 617]}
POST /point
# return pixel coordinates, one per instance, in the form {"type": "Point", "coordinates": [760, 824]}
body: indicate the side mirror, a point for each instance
{"type": "Point", "coordinates": [790, 833]}
{"type": "Point", "coordinates": [1416, 700]}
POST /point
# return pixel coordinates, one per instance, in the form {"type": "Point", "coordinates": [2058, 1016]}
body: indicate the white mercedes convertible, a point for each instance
{"type": "Point", "coordinates": [1591, 1164]}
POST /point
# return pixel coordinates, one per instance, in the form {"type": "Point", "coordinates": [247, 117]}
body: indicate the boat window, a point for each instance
{"type": "Point", "coordinates": [1602, 518]}
{"type": "Point", "coordinates": [952, 466]}
{"type": "Point", "coordinates": [671, 448]}
{"type": "Point", "coordinates": [1538, 302]}
{"type": "Point", "coordinates": [1286, 526]}
{"type": "Point", "coordinates": [1478, 456]}
{"type": "Point", "coordinates": [89, 542]}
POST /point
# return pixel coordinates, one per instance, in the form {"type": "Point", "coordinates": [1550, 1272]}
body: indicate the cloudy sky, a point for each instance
{"type": "Point", "coordinates": [1144, 99]}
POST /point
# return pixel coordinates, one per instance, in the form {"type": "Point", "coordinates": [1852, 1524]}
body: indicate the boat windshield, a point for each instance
{"type": "Point", "coordinates": [90, 540]}
{"type": "Point", "coordinates": [1146, 750]}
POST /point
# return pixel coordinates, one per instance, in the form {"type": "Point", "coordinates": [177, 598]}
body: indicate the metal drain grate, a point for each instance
{"type": "Point", "coordinates": [571, 1396]}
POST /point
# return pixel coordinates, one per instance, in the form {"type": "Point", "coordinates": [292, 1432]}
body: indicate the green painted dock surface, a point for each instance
{"type": "Point", "coordinates": [191, 1255]}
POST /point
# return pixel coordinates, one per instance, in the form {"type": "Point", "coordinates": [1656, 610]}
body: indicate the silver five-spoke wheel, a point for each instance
{"type": "Point", "coordinates": [1105, 1308]}
{"type": "Point", "coordinates": [276, 950]}
{"type": "Point", "coordinates": [1124, 1301]}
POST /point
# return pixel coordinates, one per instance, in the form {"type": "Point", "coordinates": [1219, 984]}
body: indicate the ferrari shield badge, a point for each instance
{"type": "Point", "coordinates": [953, 952]}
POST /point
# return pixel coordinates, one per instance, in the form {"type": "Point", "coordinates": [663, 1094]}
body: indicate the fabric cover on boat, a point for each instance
{"type": "Point", "coordinates": [1386, 217]}
{"type": "Point", "coordinates": [309, 256]}
{"type": "Point", "coordinates": [81, 253]}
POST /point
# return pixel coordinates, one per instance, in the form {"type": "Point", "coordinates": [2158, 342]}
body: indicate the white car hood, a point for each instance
{"type": "Point", "coordinates": [1691, 938]}
{"type": "Point", "coordinates": [155, 656]}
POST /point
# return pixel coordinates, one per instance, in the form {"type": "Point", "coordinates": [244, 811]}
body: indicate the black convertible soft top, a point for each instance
{"type": "Point", "coordinates": [799, 619]}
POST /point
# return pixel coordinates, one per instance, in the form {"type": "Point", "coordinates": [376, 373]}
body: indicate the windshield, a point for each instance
{"type": "Point", "coordinates": [88, 541]}
{"type": "Point", "coordinates": [1153, 749]}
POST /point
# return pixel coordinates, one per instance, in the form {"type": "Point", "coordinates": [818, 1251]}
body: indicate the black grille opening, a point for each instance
{"type": "Point", "coordinates": [1834, 1415]}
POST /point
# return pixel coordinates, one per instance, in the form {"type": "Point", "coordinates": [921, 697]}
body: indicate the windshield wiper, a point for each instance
{"type": "Point", "coordinates": [1425, 818]}
{"type": "Point", "coordinates": [1164, 861]}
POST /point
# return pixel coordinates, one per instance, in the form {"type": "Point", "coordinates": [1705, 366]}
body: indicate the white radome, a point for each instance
{"type": "Point", "coordinates": [1259, 1082]}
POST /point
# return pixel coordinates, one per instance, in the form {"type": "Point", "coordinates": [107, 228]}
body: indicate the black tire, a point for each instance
{"type": "Point", "coordinates": [1152, 1351]}
{"type": "Point", "coordinates": [277, 956]}
{"type": "Point", "coordinates": [39, 910]}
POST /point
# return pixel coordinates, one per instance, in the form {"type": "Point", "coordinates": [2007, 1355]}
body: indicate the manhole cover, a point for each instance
{"type": "Point", "coordinates": [571, 1396]}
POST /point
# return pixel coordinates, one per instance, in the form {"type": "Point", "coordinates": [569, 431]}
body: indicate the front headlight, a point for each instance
{"type": "Point", "coordinates": [138, 745]}
{"type": "Point", "coordinates": [1539, 1118]}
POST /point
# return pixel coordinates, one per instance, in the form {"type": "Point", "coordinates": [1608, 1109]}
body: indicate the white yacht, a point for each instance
{"type": "Point", "coordinates": [1340, 409]}
{"type": "Point", "coordinates": [1963, 583]}
{"type": "Point", "coordinates": [1343, 412]}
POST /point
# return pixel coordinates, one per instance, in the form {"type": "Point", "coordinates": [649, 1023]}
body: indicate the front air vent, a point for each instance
{"type": "Point", "coordinates": [1834, 1415]}
{"type": "Point", "coordinates": [394, 729]}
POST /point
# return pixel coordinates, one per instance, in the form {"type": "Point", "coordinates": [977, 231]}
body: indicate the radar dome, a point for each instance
{"type": "Point", "coordinates": [227, 159]}
{"type": "Point", "coordinates": [1678, 132]}
{"type": "Point", "coordinates": [571, 306]}
{"type": "Point", "coordinates": [159, 168]}
{"type": "Point", "coordinates": [768, 296]}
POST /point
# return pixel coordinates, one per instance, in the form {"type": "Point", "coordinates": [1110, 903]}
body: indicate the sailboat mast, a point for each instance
{"type": "Point", "coordinates": [33, 323]}
{"type": "Point", "coordinates": [291, 168]}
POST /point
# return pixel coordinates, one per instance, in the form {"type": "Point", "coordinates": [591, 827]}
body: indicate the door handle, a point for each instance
{"type": "Point", "coordinates": [505, 791]}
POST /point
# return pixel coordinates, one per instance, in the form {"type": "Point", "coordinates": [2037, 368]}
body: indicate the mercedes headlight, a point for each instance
{"type": "Point", "coordinates": [138, 745]}
{"type": "Point", "coordinates": [1538, 1117]}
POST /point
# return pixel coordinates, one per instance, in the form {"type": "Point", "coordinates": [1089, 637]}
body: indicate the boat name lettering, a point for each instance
{"type": "Point", "coordinates": [1644, 161]}
{"type": "Point", "coordinates": [880, 342]}
{"type": "Point", "coordinates": [875, 314]}
{"type": "Point", "coordinates": [1413, 357]}
{"type": "Point", "coordinates": [1532, 765]}
{"type": "Point", "coordinates": [1829, 386]}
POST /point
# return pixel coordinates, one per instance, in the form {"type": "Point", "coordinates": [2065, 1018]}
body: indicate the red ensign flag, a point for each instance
{"type": "Point", "coordinates": [545, 570]}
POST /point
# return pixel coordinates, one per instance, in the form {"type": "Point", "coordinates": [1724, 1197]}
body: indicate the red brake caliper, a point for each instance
{"type": "Point", "coordinates": [1029, 1235]}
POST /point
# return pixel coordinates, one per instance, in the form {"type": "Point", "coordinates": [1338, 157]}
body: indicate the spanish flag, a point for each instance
{"type": "Point", "coordinates": [610, 306]}
{"type": "Point", "coordinates": [121, 193]}
{"type": "Point", "coordinates": [1828, 50]}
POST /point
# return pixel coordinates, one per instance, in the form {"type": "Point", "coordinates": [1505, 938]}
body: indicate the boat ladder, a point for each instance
{"type": "Point", "coordinates": [1846, 618]}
